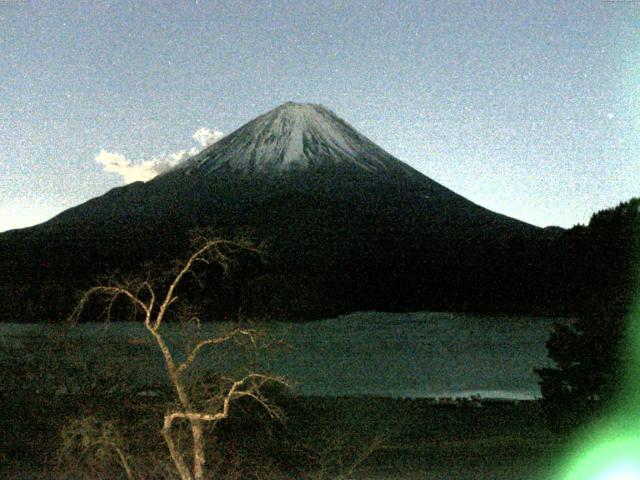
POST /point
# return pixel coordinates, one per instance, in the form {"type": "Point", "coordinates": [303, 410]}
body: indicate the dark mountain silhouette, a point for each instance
{"type": "Point", "coordinates": [349, 227]}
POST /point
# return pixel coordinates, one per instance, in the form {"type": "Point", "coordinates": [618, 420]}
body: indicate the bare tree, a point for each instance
{"type": "Point", "coordinates": [153, 303]}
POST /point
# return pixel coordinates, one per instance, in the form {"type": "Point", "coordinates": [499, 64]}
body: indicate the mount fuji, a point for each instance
{"type": "Point", "coordinates": [349, 227]}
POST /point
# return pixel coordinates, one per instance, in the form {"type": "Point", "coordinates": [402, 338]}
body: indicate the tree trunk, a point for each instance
{"type": "Point", "coordinates": [199, 459]}
{"type": "Point", "coordinates": [176, 456]}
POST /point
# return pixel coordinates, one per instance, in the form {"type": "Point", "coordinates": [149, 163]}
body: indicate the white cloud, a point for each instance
{"type": "Point", "coordinates": [206, 137]}
{"type": "Point", "coordinates": [118, 163]}
{"type": "Point", "coordinates": [147, 169]}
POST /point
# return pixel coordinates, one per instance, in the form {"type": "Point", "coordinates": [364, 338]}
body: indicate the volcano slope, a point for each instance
{"type": "Point", "coordinates": [348, 227]}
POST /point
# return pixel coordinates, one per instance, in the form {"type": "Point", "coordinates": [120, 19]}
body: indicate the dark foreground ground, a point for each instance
{"type": "Point", "coordinates": [413, 439]}
{"type": "Point", "coordinates": [469, 440]}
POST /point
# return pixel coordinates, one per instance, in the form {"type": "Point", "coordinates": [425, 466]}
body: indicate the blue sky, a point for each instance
{"type": "Point", "coordinates": [529, 108]}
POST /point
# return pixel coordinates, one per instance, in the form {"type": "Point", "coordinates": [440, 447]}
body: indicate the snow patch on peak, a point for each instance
{"type": "Point", "coordinates": [294, 136]}
{"type": "Point", "coordinates": [290, 106]}
{"type": "Point", "coordinates": [296, 124]}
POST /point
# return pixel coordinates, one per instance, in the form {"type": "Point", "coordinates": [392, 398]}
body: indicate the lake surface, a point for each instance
{"type": "Point", "coordinates": [409, 355]}
{"type": "Point", "coordinates": [420, 354]}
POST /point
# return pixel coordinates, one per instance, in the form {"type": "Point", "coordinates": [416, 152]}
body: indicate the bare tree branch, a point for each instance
{"type": "Point", "coordinates": [213, 341]}
{"type": "Point", "coordinates": [209, 245]}
{"type": "Point", "coordinates": [114, 292]}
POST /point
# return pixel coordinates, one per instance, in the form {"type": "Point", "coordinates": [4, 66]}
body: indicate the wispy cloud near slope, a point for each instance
{"type": "Point", "coordinates": [147, 169]}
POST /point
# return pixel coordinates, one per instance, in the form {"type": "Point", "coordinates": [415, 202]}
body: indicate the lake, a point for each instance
{"type": "Point", "coordinates": [407, 355]}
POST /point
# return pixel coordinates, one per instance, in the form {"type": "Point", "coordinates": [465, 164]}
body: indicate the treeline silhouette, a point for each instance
{"type": "Point", "coordinates": [596, 265]}
{"type": "Point", "coordinates": [589, 355]}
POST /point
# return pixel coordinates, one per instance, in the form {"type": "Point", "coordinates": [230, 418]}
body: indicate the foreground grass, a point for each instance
{"type": "Point", "coordinates": [493, 440]}
{"type": "Point", "coordinates": [500, 440]}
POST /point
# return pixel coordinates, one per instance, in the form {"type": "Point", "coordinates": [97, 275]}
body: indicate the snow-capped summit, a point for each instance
{"type": "Point", "coordinates": [294, 137]}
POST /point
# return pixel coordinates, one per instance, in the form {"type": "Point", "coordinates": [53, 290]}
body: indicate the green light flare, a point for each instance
{"type": "Point", "coordinates": [610, 448]}
{"type": "Point", "coordinates": [607, 453]}
{"type": "Point", "coordinates": [623, 471]}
